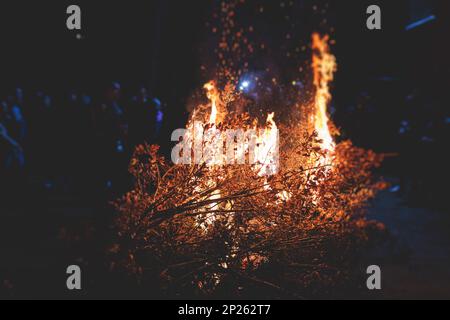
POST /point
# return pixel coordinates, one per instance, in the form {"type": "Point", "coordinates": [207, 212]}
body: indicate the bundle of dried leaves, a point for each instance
{"type": "Point", "coordinates": [197, 230]}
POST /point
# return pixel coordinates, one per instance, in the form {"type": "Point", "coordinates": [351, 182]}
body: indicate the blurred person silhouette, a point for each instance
{"type": "Point", "coordinates": [111, 116]}
{"type": "Point", "coordinates": [18, 128]}
{"type": "Point", "coordinates": [11, 150]}
{"type": "Point", "coordinates": [138, 117]}
{"type": "Point", "coordinates": [159, 118]}
{"type": "Point", "coordinates": [43, 144]}
{"type": "Point", "coordinates": [5, 116]}
{"type": "Point", "coordinates": [12, 162]}
{"type": "Point", "coordinates": [145, 117]}
{"type": "Point", "coordinates": [111, 137]}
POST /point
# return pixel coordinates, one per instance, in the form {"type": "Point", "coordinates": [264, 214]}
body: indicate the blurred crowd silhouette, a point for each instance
{"type": "Point", "coordinates": [76, 143]}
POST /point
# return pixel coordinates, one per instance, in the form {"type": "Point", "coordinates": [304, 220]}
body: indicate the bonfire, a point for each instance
{"type": "Point", "coordinates": [278, 216]}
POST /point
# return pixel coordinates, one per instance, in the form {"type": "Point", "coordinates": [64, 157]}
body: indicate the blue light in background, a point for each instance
{"type": "Point", "coordinates": [244, 85]}
{"type": "Point", "coordinates": [420, 22]}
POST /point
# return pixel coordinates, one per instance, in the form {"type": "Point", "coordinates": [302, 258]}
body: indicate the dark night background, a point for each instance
{"type": "Point", "coordinates": [390, 94]}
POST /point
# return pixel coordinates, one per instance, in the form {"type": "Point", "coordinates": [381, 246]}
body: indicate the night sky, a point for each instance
{"type": "Point", "coordinates": [163, 44]}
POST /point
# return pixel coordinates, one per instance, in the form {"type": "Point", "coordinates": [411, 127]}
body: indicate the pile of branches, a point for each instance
{"type": "Point", "coordinates": [226, 231]}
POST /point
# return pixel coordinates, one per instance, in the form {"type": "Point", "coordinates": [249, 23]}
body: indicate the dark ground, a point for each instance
{"type": "Point", "coordinates": [37, 246]}
{"type": "Point", "coordinates": [417, 263]}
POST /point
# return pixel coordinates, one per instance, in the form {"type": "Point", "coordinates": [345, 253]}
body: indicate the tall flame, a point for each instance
{"type": "Point", "coordinates": [324, 65]}
{"type": "Point", "coordinates": [268, 149]}
{"type": "Point", "coordinates": [213, 95]}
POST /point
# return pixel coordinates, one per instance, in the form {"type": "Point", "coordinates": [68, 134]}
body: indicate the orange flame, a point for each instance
{"type": "Point", "coordinates": [268, 148]}
{"type": "Point", "coordinates": [324, 66]}
{"type": "Point", "coordinates": [213, 94]}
